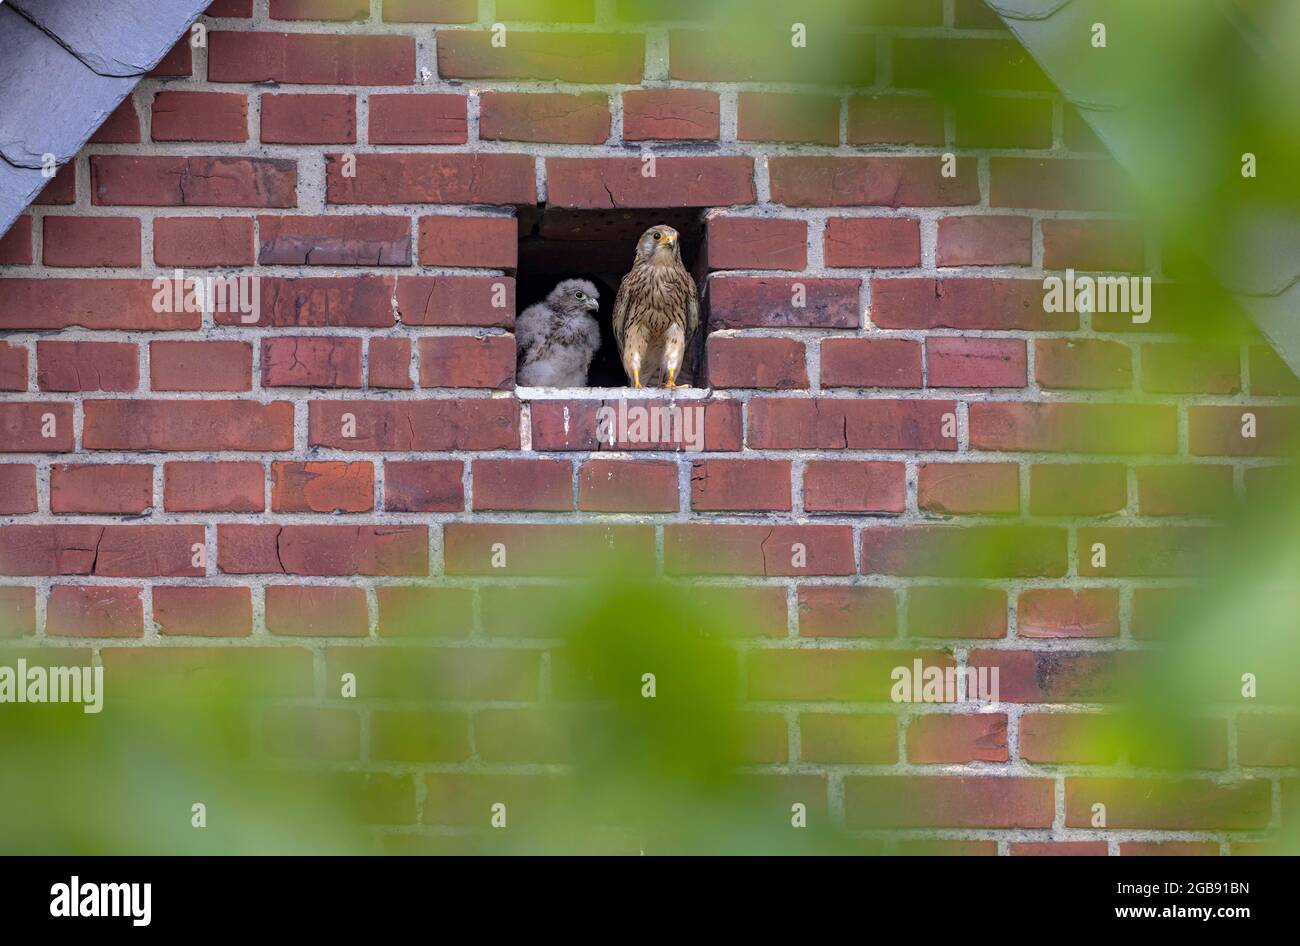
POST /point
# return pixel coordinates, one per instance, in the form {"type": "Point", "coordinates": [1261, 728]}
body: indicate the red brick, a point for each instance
{"type": "Point", "coordinates": [235, 9]}
{"type": "Point", "coordinates": [419, 119]}
{"type": "Point", "coordinates": [433, 179]}
{"type": "Point", "coordinates": [842, 486]}
{"type": "Point", "coordinates": [818, 181]}
{"type": "Point", "coordinates": [188, 425]}
{"type": "Point", "coordinates": [1218, 431]}
{"type": "Point", "coordinates": [423, 425]}
{"type": "Point", "coordinates": [605, 183]}
{"type": "Point", "coordinates": [878, 242]}
{"type": "Point", "coordinates": [566, 57]}
{"type": "Point", "coordinates": [122, 127]}
{"type": "Point", "coordinates": [1074, 428]}
{"type": "Point", "coordinates": [1093, 245]}
{"type": "Point", "coordinates": [1147, 552]}
{"type": "Point", "coordinates": [756, 363]}
{"type": "Point", "coordinates": [895, 119]}
{"type": "Point", "coordinates": [13, 367]}
{"type": "Point", "coordinates": [847, 611]}
{"type": "Point", "coordinates": [1267, 739]}
{"type": "Point", "coordinates": [315, 733]}
{"type": "Point", "coordinates": [746, 54]}
{"type": "Point", "coordinates": [623, 486]}
{"type": "Point", "coordinates": [91, 241]}
{"type": "Point", "coordinates": [457, 300]}
{"type": "Point", "coordinates": [423, 736]}
{"type": "Point", "coordinates": [723, 549]}
{"type": "Point", "coordinates": [1156, 804]}
{"type": "Point", "coordinates": [467, 361]}
{"type": "Point", "coordinates": [322, 486]}
{"type": "Point", "coordinates": [965, 801]}
{"type": "Point", "coordinates": [825, 673]}
{"type": "Point", "coordinates": [1057, 184]}
{"type": "Point", "coordinates": [1191, 369]}
{"type": "Point", "coordinates": [965, 62]}
{"type": "Point", "coordinates": [671, 115]}
{"type": "Point", "coordinates": [524, 485]}
{"type": "Point", "coordinates": [87, 366]}
{"type": "Point", "coordinates": [311, 362]}
{"type": "Point", "coordinates": [943, 551]}
{"type": "Point", "coordinates": [197, 486]}
{"type": "Point", "coordinates": [16, 243]}
{"type": "Point", "coordinates": [490, 242]}
{"type": "Point", "coordinates": [311, 58]}
{"type": "Point", "coordinates": [544, 550]}
{"type": "Point", "coordinates": [315, 301]}
{"type": "Point", "coordinates": [980, 240]}
{"type": "Point", "coordinates": [389, 365]}
{"type": "Point", "coordinates": [956, 362]}
{"type": "Point", "coordinates": [580, 425]}
{"type": "Point", "coordinates": [334, 240]}
{"type": "Point", "coordinates": [1058, 848]}
{"type": "Point", "coordinates": [841, 737]}
{"type": "Point", "coordinates": [200, 366]}
{"type": "Point", "coordinates": [310, 119]}
{"type": "Point", "coordinates": [1269, 374]}
{"type": "Point", "coordinates": [112, 551]}
{"type": "Point", "coordinates": [188, 611]}
{"type": "Point", "coordinates": [1184, 490]}
{"type": "Point", "coordinates": [173, 181]}
{"type": "Point", "coordinates": [774, 302]}
{"type": "Point", "coordinates": [1082, 363]}
{"type": "Point", "coordinates": [203, 241]}
{"type": "Point", "coordinates": [956, 612]}
{"type": "Point", "coordinates": [124, 489]}
{"type": "Point", "coordinates": [425, 612]}
{"type": "Point", "coordinates": [740, 485]}
{"type": "Point", "coordinates": [756, 243]}
{"type": "Point", "coordinates": [870, 363]}
{"type": "Point", "coordinates": [581, 118]}
{"type": "Point", "coordinates": [94, 611]}
{"type": "Point", "coordinates": [62, 188]}
{"type": "Point", "coordinates": [1083, 489]}
{"type": "Point", "coordinates": [848, 424]}
{"type": "Point", "coordinates": [968, 487]}
{"type": "Point", "coordinates": [1169, 849]}
{"type": "Point", "coordinates": [27, 427]}
{"type": "Point", "coordinates": [773, 116]}
{"type": "Point", "coordinates": [963, 303]}
{"type": "Point", "coordinates": [378, 550]}
{"type": "Point", "coordinates": [17, 612]}
{"type": "Point", "coordinates": [214, 671]}
{"type": "Point", "coordinates": [319, 9]}
{"type": "Point", "coordinates": [954, 739]}
{"type": "Point", "coordinates": [1158, 612]}
{"type": "Point", "coordinates": [547, 11]}
{"type": "Point", "coordinates": [17, 488]}
{"type": "Point", "coordinates": [1063, 612]}
{"type": "Point", "coordinates": [1000, 121]}
{"type": "Point", "coordinates": [316, 611]}
{"type": "Point", "coordinates": [430, 11]}
{"type": "Point", "coordinates": [1053, 676]}
{"type": "Point", "coordinates": [178, 63]}
{"type": "Point", "coordinates": [199, 116]}
{"type": "Point", "coordinates": [423, 486]}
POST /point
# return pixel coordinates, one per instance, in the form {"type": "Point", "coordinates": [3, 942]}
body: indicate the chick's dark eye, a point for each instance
{"type": "Point", "coordinates": [580, 295]}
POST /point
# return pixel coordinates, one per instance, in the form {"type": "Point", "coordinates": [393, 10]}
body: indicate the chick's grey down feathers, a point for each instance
{"type": "Point", "coordinates": [557, 338]}
{"type": "Point", "coordinates": [656, 310]}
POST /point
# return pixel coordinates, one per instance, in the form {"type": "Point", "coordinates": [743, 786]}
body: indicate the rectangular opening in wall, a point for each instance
{"type": "Point", "coordinates": [599, 246]}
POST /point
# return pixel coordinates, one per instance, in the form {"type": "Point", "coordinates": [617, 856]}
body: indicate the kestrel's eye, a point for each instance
{"type": "Point", "coordinates": [580, 295]}
{"type": "Point", "coordinates": [657, 236]}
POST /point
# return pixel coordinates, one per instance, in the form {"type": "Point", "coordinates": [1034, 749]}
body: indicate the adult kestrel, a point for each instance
{"type": "Point", "coordinates": [656, 310]}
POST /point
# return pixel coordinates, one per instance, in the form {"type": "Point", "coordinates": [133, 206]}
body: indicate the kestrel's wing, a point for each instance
{"type": "Point", "coordinates": [621, 308]}
{"type": "Point", "coordinates": [692, 307]}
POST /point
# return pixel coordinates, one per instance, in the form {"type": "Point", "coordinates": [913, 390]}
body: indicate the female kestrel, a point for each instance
{"type": "Point", "coordinates": [656, 310]}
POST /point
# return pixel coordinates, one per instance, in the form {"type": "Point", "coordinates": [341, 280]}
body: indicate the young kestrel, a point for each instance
{"type": "Point", "coordinates": [656, 310]}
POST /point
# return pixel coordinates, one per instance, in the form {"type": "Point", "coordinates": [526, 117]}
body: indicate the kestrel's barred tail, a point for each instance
{"type": "Point", "coordinates": [656, 310]}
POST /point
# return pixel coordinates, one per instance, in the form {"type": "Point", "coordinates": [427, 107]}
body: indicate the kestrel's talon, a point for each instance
{"type": "Point", "coordinates": [636, 377]}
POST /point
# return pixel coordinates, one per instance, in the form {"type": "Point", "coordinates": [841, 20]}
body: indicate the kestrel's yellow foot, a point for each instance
{"type": "Point", "coordinates": [671, 384]}
{"type": "Point", "coordinates": [636, 377]}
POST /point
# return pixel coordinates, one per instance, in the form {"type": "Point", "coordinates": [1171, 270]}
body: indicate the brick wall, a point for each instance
{"type": "Point", "coordinates": [133, 438]}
